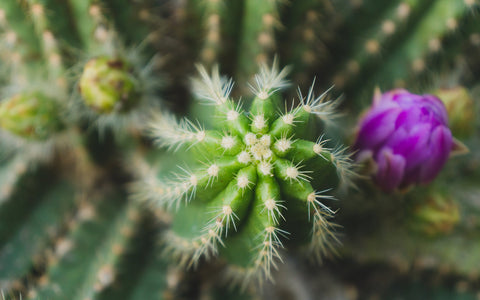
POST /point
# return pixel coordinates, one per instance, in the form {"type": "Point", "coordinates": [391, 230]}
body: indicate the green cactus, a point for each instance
{"type": "Point", "coordinates": [25, 247]}
{"type": "Point", "coordinates": [44, 238]}
{"type": "Point", "coordinates": [259, 182]}
{"type": "Point", "coordinates": [404, 46]}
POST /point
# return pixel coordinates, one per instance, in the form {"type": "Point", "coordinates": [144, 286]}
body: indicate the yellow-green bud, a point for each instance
{"type": "Point", "coordinates": [460, 108]}
{"type": "Point", "coordinates": [109, 85]}
{"type": "Point", "coordinates": [437, 215]}
{"type": "Point", "coordinates": [32, 116]}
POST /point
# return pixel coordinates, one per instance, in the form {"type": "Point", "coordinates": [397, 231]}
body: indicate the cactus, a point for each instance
{"type": "Point", "coordinates": [258, 179]}
{"type": "Point", "coordinates": [46, 152]}
{"type": "Point", "coordinates": [69, 266]}
{"type": "Point", "coordinates": [81, 79]}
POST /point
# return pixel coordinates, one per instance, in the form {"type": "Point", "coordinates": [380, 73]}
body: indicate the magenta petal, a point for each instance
{"type": "Point", "coordinates": [393, 95]}
{"type": "Point", "coordinates": [376, 129]}
{"type": "Point", "coordinates": [390, 171]}
{"type": "Point", "coordinates": [440, 147]}
{"type": "Point", "coordinates": [438, 108]}
{"type": "Point", "coordinates": [408, 118]}
{"type": "Point", "coordinates": [411, 145]}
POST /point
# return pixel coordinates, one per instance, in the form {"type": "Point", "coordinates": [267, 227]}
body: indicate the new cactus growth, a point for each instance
{"type": "Point", "coordinates": [257, 182]}
{"type": "Point", "coordinates": [108, 84]}
{"type": "Point", "coordinates": [461, 110]}
{"type": "Point", "coordinates": [438, 214]}
{"type": "Point", "coordinates": [32, 116]}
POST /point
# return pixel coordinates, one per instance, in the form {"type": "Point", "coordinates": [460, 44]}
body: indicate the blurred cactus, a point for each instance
{"type": "Point", "coordinates": [80, 80]}
{"type": "Point", "coordinates": [45, 239]}
{"type": "Point", "coordinates": [438, 214]}
{"type": "Point", "coordinates": [461, 110]}
{"type": "Point", "coordinates": [107, 85]}
{"type": "Point", "coordinates": [30, 116]}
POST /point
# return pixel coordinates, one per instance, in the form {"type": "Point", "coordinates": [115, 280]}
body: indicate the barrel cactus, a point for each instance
{"type": "Point", "coordinates": [256, 181]}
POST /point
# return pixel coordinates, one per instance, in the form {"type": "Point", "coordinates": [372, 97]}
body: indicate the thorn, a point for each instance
{"type": "Point", "coordinates": [269, 80]}
{"type": "Point", "coordinates": [214, 89]}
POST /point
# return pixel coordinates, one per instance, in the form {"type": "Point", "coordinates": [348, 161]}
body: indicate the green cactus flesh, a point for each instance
{"type": "Point", "coordinates": [25, 246]}
{"type": "Point", "coordinates": [85, 262]}
{"type": "Point", "coordinates": [258, 184]}
{"type": "Point", "coordinates": [11, 170]}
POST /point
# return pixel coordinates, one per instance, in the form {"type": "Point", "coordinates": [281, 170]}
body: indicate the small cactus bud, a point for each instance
{"type": "Point", "coordinates": [32, 116]}
{"type": "Point", "coordinates": [408, 138]}
{"type": "Point", "coordinates": [437, 214]}
{"type": "Point", "coordinates": [460, 108]}
{"type": "Point", "coordinates": [108, 85]}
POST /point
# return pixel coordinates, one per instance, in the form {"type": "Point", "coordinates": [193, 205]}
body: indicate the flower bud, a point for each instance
{"type": "Point", "coordinates": [437, 214]}
{"type": "Point", "coordinates": [460, 108]}
{"type": "Point", "coordinates": [406, 136]}
{"type": "Point", "coordinates": [30, 115]}
{"type": "Point", "coordinates": [108, 85]}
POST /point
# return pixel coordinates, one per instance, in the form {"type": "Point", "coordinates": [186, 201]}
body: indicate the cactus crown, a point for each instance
{"type": "Point", "coordinates": [259, 181]}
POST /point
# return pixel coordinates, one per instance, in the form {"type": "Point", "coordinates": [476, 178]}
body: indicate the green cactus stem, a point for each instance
{"type": "Point", "coordinates": [367, 51]}
{"type": "Point", "coordinates": [11, 170]}
{"type": "Point", "coordinates": [86, 260]}
{"type": "Point", "coordinates": [16, 209]}
{"type": "Point", "coordinates": [24, 248]}
{"type": "Point", "coordinates": [142, 258]}
{"type": "Point", "coordinates": [153, 281]}
{"type": "Point", "coordinates": [256, 179]}
{"type": "Point", "coordinates": [48, 41]}
{"type": "Point", "coordinates": [90, 23]}
{"type": "Point", "coordinates": [133, 22]}
{"type": "Point", "coordinates": [213, 13]}
{"type": "Point", "coordinates": [310, 25]}
{"type": "Point", "coordinates": [260, 19]}
{"type": "Point", "coordinates": [409, 59]}
{"type": "Point", "coordinates": [21, 28]}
